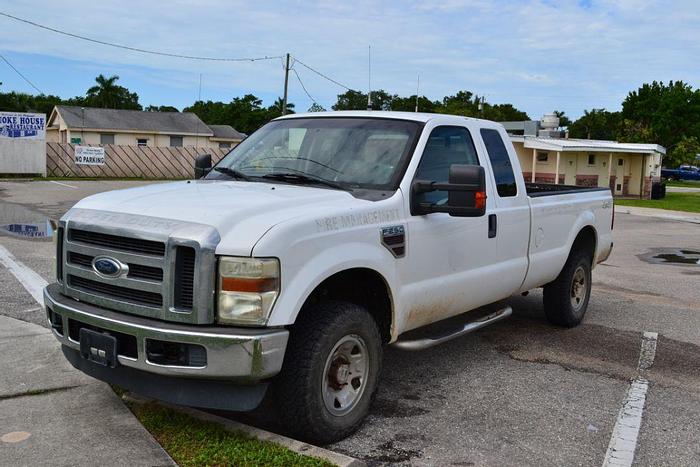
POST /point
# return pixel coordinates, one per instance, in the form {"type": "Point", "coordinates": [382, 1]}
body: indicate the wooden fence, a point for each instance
{"type": "Point", "coordinates": [129, 161]}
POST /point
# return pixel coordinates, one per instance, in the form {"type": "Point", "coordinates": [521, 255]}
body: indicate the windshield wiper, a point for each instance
{"type": "Point", "coordinates": [237, 174]}
{"type": "Point", "coordinates": [302, 179]}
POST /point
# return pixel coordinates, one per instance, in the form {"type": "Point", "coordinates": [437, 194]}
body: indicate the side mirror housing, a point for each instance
{"type": "Point", "coordinates": [202, 165]}
{"type": "Point", "coordinates": [466, 193]}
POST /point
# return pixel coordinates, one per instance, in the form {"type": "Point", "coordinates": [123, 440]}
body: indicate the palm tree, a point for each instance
{"type": "Point", "coordinates": [278, 106]}
{"type": "Point", "coordinates": [106, 93]}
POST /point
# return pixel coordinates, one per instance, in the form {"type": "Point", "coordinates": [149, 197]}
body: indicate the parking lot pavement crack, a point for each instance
{"type": "Point", "coordinates": [37, 392]}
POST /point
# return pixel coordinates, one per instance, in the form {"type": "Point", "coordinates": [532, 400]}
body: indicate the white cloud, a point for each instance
{"type": "Point", "coordinates": [537, 54]}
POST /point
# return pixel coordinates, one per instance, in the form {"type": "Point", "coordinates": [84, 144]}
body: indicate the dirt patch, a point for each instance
{"type": "Point", "coordinates": [391, 454]}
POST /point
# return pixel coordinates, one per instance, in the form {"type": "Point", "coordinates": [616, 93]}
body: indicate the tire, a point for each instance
{"type": "Point", "coordinates": [317, 372]}
{"type": "Point", "coordinates": [566, 298]}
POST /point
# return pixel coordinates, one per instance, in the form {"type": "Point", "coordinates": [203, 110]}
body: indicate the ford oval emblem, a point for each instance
{"type": "Point", "coordinates": [108, 267]}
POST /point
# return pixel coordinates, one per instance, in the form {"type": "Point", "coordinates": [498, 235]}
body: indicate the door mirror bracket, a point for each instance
{"type": "Point", "coordinates": [466, 193]}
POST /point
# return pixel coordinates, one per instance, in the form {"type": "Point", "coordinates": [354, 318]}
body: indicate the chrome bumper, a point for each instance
{"type": "Point", "coordinates": [236, 354]}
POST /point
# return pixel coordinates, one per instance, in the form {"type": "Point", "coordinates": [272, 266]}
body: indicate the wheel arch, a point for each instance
{"type": "Point", "coordinates": [359, 285]}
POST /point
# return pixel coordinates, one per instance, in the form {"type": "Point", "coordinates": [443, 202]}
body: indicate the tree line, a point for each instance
{"type": "Point", "coordinates": [666, 114]}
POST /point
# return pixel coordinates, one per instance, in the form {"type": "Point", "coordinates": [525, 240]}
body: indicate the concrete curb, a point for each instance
{"type": "Point", "coordinates": [659, 213]}
{"type": "Point", "coordinates": [299, 447]}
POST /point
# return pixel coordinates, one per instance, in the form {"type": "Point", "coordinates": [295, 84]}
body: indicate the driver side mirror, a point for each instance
{"type": "Point", "coordinates": [202, 165]}
{"type": "Point", "coordinates": [466, 193]}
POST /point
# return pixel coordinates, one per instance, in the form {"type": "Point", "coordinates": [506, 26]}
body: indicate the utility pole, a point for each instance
{"type": "Point", "coordinates": [417, 91]}
{"type": "Point", "coordinates": [369, 77]}
{"type": "Point", "coordinates": [286, 82]}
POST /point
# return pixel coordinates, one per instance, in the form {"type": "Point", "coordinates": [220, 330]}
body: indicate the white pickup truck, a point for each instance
{"type": "Point", "coordinates": [317, 241]}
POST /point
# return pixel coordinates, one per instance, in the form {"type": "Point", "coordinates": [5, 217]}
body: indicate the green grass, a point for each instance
{"type": "Point", "coordinates": [688, 202]}
{"type": "Point", "coordinates": [192, 442]}
{"type": "Point", "coordinates": [684, 183]}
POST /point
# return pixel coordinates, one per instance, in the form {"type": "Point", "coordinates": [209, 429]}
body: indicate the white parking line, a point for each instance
{"type": "Point", "coordinates": [63, 184]}
{"type": "Point", "coordinates": [29, 279]}
{"type": "Point", "coordinates": [623, 441]}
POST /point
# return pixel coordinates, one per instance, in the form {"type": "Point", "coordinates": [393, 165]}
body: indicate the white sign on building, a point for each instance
{"type": "Point", "coordinates": [17, 125]}
{"type": "Point", "coordinates": [88, 155]}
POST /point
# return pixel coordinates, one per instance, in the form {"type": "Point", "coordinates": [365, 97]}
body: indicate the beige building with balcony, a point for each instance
{"type": "Point", "coordinates": [93, 126]}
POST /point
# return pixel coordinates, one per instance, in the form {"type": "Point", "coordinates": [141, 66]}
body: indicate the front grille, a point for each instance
{"type": "Point", "coordinates": [136, 271]}
{"type": "Point", "coordinates": [80, 259]}
{"type": "Point", "coordinates": [118, 243]}
{"type": "Point", "coordinates": [184, 277]}
{"type": "Point", "coordinates": [139, 271]}
{"type": "Point", "coordinates": [138, 297]}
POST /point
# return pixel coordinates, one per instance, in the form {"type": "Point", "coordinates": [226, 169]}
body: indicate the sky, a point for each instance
{"type": "Point", "coordinates": [539, 55]}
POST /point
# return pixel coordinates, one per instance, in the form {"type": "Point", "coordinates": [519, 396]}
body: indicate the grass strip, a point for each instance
{"type": "Point", "coordinates": [192, 442]}
{"type": "Point", "coordinates": [684, 183]}
{"type": "Point", "coordinates": [688, 202]}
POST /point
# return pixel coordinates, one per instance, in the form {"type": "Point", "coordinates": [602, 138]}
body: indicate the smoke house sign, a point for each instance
{"type": "Point", "coordinates": [86, 155]}
{"type": "Point", "coordinates": [22, 125]}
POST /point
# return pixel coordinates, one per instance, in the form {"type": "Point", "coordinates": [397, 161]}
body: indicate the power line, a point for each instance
{"type": "Point", "coordinates": [304, 87]}
{"type": "Point", "coordinates": [20, 74]}
{"type": "Point", "coordinates": [136, 49]}
{"type": "Point", "coordinates": [321, 74]}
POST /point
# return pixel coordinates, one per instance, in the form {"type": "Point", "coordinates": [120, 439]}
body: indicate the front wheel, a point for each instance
{"type": "Point", "coordinates": [330, 372]}
{"type": "Point", "coordinates": [566, 298]}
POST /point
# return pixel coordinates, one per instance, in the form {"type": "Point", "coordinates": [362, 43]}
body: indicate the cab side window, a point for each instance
{"type": "Point", "coordinates": [500, 163]}
{"type": "Point", "coordinates": [446, 145]}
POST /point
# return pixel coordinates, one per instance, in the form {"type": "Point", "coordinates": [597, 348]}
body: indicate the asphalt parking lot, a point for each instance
{"type": "Point", "coordinates": [518, 393]}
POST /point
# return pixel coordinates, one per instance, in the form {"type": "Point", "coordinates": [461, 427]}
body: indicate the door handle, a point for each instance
{"type": "Point", "coordinates": [493, 225]}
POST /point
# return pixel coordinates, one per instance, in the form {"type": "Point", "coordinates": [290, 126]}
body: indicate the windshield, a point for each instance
{"type": "Point", "coordinates": [368, 153]}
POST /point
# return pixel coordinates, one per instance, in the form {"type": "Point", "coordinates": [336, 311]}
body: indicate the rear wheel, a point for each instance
{"type": "Point", "coordinates": [566, 298]}
{"type": "Point", "coordinates": [330, 372]}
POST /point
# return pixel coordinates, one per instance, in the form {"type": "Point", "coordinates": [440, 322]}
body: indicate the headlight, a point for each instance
{"type": "Point", "coordinates": [248, 288]}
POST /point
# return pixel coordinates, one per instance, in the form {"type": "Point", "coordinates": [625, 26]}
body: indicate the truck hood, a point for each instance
{"type": "Point", "coordinates": [240, 211]}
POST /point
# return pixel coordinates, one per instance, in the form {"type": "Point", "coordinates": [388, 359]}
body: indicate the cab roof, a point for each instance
{"type": "Point", "coordinates": [412, 116]}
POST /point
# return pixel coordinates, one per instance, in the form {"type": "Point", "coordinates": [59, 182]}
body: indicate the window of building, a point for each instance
{"type": "Point", "coordinates": [500, 162]}
{"type": "Point", "coordinates": [142, 142]}
{"type": "Point", "coordinates": [106, 138]}
{"type": "Point", "coordinates": [542, 157]}
{"type": "Point", "coordinates": [176, 141]}
{"type": "Point", "coordinates": [591, 159]}
{"type": "Point", "coordinates": [620, 162]}
{"type": "Point", "coordinates": [224, 145]}
{"type": "Point", "coordinates": [446, 145]}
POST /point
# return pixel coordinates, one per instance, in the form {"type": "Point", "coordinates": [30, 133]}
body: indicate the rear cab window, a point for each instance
{"type": "Point", "coordinates": [500, 163]}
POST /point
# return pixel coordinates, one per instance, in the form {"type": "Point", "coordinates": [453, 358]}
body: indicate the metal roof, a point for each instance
{"type": "Point", "coordinates": [589, 145]}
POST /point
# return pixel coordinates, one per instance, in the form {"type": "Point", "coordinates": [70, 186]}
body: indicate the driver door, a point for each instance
{"type": "Point", "coordinates": [451, 260]}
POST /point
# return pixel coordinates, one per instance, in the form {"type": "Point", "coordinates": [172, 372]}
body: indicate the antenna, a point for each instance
{"type": "Point", "coordinates": [199, 98]}
{"type": "Point", "coordinates": [369, 77]}
{"type": "Point", "coordinates": [417, 91]}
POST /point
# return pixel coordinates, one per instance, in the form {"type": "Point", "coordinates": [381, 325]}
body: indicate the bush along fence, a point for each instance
{"type": "Point", "coordinates": [128, 161]}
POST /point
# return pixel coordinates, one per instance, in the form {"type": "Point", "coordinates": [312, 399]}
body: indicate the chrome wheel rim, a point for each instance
{"type": "Point", "coordinates": [579, 288]}
{"type": "Point", "coordinates": [345, 375]}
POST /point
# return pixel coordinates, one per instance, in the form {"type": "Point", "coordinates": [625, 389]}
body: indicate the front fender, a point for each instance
{"type": "Point", "coordinates": [302, 276]}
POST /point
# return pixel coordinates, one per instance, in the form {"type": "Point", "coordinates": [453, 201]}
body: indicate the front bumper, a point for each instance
{"type": "Point", "coordinates": [232, 354]}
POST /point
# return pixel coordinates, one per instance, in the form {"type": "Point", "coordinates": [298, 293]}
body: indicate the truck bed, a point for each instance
{"type": "Point", "coordinates": [535, 190]}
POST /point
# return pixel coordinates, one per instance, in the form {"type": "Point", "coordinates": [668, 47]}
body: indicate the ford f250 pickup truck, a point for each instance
{"type": "Point", "coordinates": [288, 266]}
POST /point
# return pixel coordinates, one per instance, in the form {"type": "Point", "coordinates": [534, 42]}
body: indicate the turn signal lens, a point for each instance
{"type": "Point", "coordinates": [480, 200]}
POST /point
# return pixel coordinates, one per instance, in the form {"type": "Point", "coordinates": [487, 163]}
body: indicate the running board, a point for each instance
{"type": "Point", "coordinates": [427, 342]}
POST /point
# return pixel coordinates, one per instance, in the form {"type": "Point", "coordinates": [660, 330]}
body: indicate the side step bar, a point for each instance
{"type": "Point", "coordinates": [427, 342]}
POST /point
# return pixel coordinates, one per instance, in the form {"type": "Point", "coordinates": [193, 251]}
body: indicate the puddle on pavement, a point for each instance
{"type": "Point", "coordinates": [18, 221]}
{"type": "Point", "coordinates": [672, 255]}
